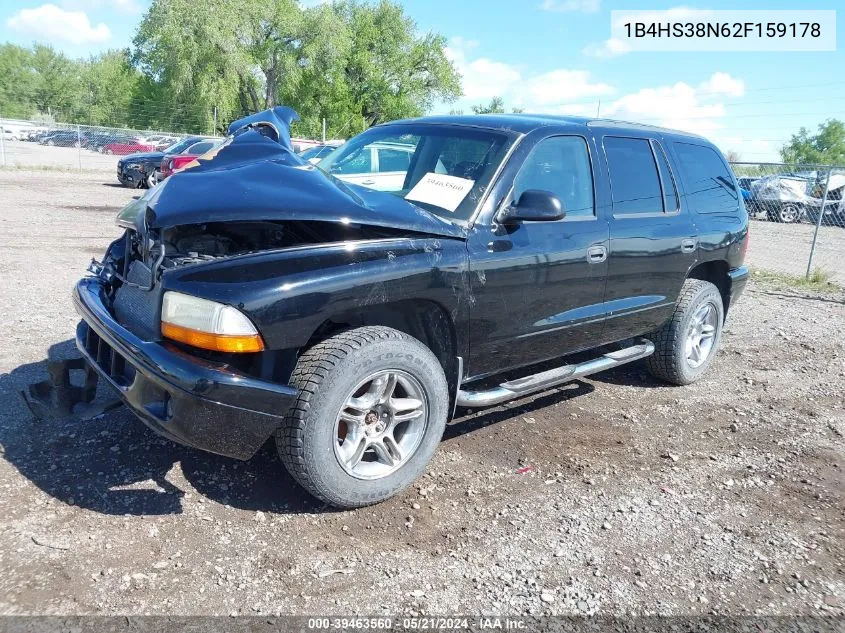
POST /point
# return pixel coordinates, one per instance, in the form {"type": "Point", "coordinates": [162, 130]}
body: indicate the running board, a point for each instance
{"type": "Point", "coordinates": [553, 377]}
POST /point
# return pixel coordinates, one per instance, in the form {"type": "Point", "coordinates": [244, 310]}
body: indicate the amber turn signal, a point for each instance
{"type": "Point", "coordinates": [213, 342]}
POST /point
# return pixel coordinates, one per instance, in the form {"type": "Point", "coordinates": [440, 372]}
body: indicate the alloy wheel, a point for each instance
{"type": "Point", "coordinates": [380, 425]}
{"type": "Point", "coordinates": [701, 335]}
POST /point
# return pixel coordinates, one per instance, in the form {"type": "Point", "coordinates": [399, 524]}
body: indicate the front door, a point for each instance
{"type": "Point", "coordinates": [538, 287]}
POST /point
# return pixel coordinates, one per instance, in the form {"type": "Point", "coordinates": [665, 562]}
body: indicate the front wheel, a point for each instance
{"type": "Point", "coordinates": [152, 178]}
{"type": "Point", "coordinates": [371, 410]}
{"type": "Point", "coordinates": [685, 346]}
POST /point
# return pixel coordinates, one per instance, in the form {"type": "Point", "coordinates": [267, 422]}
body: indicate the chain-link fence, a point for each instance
{"type": "Point", "coordinates": [70, 146]}
{"type": "Point", "coordinates": [801, 213]}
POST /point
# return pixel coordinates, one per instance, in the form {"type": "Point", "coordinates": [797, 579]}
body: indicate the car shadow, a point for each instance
{"type": "Point", "coordinates": [115, 465]}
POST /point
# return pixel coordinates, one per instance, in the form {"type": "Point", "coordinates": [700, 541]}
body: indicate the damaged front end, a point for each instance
{"type": "Point", "coordinates": [265, 237]}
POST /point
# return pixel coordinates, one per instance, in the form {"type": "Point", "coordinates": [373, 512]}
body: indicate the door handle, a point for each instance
{"type": "Point", "coordinates": [596, 254]}
{"type": "Point", "coordinates": [688, 245]}
{"type": "Point", "coordinates": [368, 182]}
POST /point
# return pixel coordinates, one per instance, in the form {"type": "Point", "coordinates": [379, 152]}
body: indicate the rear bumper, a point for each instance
{"type": "Point", "coordinates": [738, 280]}
{"type": "Point", "coordinates": [188, 400]}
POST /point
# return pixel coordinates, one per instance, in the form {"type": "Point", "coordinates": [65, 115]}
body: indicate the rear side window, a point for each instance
{"type": "Point", "coordinates": [634, 180]}
{"type": "Point", "coordinates": [393, 160]}
{"type": "Point", "coordinates": [708, 183]}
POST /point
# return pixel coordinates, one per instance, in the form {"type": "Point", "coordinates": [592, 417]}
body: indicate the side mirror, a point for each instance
{"type": "Point", "coordinates": [535, 205]}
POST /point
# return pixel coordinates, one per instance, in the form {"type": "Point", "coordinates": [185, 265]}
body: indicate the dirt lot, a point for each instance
{"type": "Point", "coordinates": [727, 496]}
{"type": "Point", "coordinates": [26, 154]}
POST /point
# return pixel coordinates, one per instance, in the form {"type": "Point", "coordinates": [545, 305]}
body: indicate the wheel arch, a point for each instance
{"type": "Point", "coordinates": [424, 319]}
{"type": "Point", "coordinates": [715, 272]}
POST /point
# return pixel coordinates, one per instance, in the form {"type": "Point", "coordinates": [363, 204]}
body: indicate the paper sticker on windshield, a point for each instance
{"type": "Point", "coordinates": [441, 190]}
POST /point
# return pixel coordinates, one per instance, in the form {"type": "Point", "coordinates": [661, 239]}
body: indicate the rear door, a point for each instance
{"type": "Point", "coordinates": [653, 238]}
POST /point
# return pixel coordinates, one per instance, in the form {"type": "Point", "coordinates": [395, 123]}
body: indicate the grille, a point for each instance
{"type": "Point", "coordinates": [108, 360]}
{"type": "Point", "coordinates": [137, 309]}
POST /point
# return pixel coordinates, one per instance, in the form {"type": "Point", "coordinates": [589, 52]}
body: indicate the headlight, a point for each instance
{"type": "Point", "coordinates": [207, 324]}
{"type": "Point", "coordinates": [134, 166]}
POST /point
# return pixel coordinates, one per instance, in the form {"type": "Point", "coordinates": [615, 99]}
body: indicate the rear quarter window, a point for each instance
{"type": "Point", "coordinates": [708, 183]}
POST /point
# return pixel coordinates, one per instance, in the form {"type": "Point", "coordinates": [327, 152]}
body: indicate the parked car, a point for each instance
{"type": "Point", "coordinates": [65, 138]}
{"type": "Point", "coordinates": [379, 166]}
{"type": "Point", "coordinates": [256, 296]}
{"type": "Point", "coordinates": [173, 163]}
{"type": "Point", "coordinates": [144, 169]}
{"type": "Point", "coordinates": [98, 140]}
{"type": "Point", "coordinates": [317, 153]}
{"type": "Point", "coordinates": [834, 207]}
{"type": "Point", "coordinates": [10, 134]}
{"type": "Point", "coordinates": [781, 198]}
{"type": "Point", "coordinates": [127, 146]}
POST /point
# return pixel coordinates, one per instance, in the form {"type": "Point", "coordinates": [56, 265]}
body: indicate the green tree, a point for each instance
{"type": "Point", "coordinates": [111, 86]}
{"type": "Point", "coordinates": [825, 148]}
{"type": "Point", "coordinates": [391, 72]}
{"type": "Point", "coordinates": [58, 85]}
{"type": "Point", "coordinates": [17, 82]}
{"type": "Point", "coordinates": [496, 106]}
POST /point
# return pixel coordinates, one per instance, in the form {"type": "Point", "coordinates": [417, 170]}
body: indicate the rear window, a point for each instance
{"type": "Point", "coordinates": [708, 183]}
{"type": "Point", "coordinates": [634, 180]}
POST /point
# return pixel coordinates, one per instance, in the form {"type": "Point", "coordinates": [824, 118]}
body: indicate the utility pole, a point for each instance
{"type": "Point", "coordinates": [598, 109]}
{"type": "Point", "coordinates": [214, 130]}
{"type": "Point", "coordinates": [79, 145]}
{"type": "Point", "coordinates": [324, 129]}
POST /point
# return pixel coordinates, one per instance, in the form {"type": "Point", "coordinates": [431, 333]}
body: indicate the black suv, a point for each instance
{"type": "Point", "coordinates": [255, 296]}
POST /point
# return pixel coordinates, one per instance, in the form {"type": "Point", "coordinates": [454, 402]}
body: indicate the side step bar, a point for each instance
{"type": "Point", "coordinates": [553, 377]}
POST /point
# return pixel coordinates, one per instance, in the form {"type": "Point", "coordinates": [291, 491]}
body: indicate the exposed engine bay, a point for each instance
{"type": "Point", "coordinates": [197, 243]}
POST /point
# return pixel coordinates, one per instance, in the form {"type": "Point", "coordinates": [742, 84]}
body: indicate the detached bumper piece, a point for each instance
{"type": "Point", "coordinates": [56, 396]}
{"type": "Point", "coordinates": [188, 400]}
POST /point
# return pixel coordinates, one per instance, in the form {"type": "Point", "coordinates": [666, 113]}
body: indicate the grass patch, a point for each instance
{"type": "Point", "coordinates": [818, 281]}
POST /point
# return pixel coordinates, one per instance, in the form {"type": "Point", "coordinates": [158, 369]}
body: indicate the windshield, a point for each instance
{"type": "Point", "coordinates": [312, 152]}
{"type": "Point", "coordinates": [180, 146]}
{"type": "Point", "coordinates": [442, 168]}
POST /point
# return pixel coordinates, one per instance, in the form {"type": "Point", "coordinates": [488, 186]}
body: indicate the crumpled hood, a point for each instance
{"type": "Point", "coordinates": [254, 177]}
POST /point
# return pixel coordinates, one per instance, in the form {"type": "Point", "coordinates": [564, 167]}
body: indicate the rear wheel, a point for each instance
{"type": "Point", "coordinates": [687, 343]}
{"type": "Point", "coordinates": [788, 214]}
{"type": "Point", "coordinates": [371, 410]}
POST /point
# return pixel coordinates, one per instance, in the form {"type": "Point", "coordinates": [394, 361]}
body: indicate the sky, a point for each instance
{"type": "Point", "coordinates": [555, 56]}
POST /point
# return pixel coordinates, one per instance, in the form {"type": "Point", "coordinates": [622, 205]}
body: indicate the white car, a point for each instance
{"type": "Point", "coordinates": [10, 134]}
{"type": "Point", "coordinates": [379, 166]}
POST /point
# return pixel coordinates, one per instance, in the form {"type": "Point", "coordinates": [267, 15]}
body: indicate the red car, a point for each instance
{"type": "Point", "coordinates": [171, 164]}
{"type": "Point", "coordinates": [127, 146]}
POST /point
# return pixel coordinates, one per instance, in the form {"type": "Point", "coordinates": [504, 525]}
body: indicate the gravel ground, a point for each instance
{"type": "Point", "coordinates": [27, 154]}
{"type": "Point", "coordinates": [617, 495]}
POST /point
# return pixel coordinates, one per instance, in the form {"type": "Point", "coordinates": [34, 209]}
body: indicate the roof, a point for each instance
{"type": "Point", "coordinates": [524, 123]}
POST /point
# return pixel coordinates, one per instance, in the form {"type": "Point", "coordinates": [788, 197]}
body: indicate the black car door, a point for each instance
{"type": "Point", "coordinates": [653, 238]}
{"type": "Point", "coordinates": [538, 286]}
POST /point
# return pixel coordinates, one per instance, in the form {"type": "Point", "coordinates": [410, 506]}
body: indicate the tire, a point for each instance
{"type": "Point", "coordinates": [788, 214]}
{"type": "Point", "coordinates": [152, 179]}
{"type": "Point", "coordinates": [673, 359]}
{"type": "Point", "coordinates": [314, 442]}
{"type": "Point", "coordinates": [108, 151]}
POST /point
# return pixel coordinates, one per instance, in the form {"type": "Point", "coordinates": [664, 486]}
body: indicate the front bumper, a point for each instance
{"type": "Point", "coordinates": [188, 400]}
{"type": "Point", "coordinates": [130, 176]}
